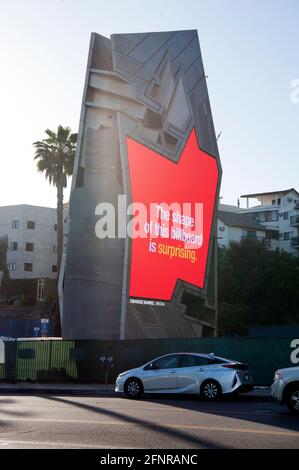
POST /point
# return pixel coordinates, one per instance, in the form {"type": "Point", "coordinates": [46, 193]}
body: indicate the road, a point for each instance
{"type": "Point", "coordinates": [115, 422]}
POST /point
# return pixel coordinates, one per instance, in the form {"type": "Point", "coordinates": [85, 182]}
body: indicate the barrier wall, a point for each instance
{"type": "Point", "coordinates": [80, 361]}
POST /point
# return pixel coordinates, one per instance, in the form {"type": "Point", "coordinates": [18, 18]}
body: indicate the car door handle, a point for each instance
{"type": "Point", "coordinates": [173, 372]}
{"type": "Point", "coordinates": [201, 369]}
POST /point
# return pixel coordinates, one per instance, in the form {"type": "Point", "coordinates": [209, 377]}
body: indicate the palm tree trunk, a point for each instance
{"type": "Point", "coordinates": [59, 224]}
{"type": "Point", "coordinates": [59, 251]}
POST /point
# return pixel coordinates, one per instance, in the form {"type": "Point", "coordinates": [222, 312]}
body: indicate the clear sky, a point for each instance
{"type": "Point", "coordinates": [251, 55]}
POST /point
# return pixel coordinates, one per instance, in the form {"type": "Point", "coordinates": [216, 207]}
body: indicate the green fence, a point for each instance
{"type": "Point", "coordinates": [66, 361]}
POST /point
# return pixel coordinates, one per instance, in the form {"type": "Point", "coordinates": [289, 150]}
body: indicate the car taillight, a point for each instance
{"type": "Point", "coordinates": [236, 366]}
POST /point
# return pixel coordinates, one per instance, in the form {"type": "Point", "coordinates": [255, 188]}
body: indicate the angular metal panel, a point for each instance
{"type": "Point", "coordinates": [152, 88]}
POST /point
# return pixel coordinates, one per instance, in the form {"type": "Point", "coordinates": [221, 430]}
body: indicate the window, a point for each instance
{"type": "Point", "coordinates": [192, 361]}
{"type": "Point", "coordinates": [272, 235]}
{"type": "Point", "coordinates": [40, 290]}
{"type": "Point", "coordinates": [12, 266]}
{"type": "Point", "coordinates": [30, 225]}
{"type": "Point", "coordinates": [265, 216]}
{"type": "Point", "coordinates": [188, 360]}
{"type": "Point", "coordinates": [279, 201]}
{"type": "Point", "coordinates": [272, 216]}
{"type": "Point", "coordinates": [166, 362]}
{"type": "Point", "coordinates": [250, 234]}
{"type": "Point", "coordinates": [285, 216]}
{"type": "Point", "coordinates": [13, 246]}
{"type": "Point", "coordinates": [29, 247]}
{"type": "Point", "coordinates": [262, 217]}
{"type": "Point", "coordinates": [268, 216]}
{"type": "Point", "coordinates": [28, 267]}
{"type": "Point", "coordinates": [54, 268]}
{"type": "Point", "coordinates": [255, 216]}
{"type": "Point", "coordinates": [286, 236]}
{"type": "Point", "coordinates": [273, 202]}
{"type": "Point", "coordinates": [15, 224]}
{"type": "Point", "coordinates": [55, 227]}
{"type": "Point", "coordinates": [294, 219]}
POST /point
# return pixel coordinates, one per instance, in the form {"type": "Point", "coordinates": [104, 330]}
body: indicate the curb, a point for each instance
{"type": "Point", "coordinates": [251, 396]}
{"type": "Point", "coordinates": [54, 391]}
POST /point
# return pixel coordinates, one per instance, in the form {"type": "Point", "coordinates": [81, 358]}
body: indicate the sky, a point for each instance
{"type": "Point", "coordinates": [250, 50]}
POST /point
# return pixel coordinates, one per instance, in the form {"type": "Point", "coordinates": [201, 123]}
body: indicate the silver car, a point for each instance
{"type": "Point", "coordinates": [285, 388]}
{"type": "Point", "coordinates": [205, 375]}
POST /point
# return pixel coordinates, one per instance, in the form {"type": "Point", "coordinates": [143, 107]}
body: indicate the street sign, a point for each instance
{"type": "Point", "coordinates": [44, 323]}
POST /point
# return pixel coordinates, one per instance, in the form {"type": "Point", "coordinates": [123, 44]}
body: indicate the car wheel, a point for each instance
{"type": "Point", "coordinates": [210, 390]}
{"type": "Point", "coordinates": [292, 399]}
{"type": "Point", "coordinates": [133, 388]}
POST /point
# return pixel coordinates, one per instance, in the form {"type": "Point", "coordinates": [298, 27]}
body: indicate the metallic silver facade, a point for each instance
{"type": "Point", "coordinates": [151, 87]}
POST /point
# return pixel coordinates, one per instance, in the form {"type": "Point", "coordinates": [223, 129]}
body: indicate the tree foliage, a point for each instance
{"type": "Point", "coordinates": [4, 273]}
{"type": "Point", "coordinates": [55, 158]}
{"type": "Point", "coordinates": [55, 155]}
{"type": "Point", "coordinates": [256, 287]}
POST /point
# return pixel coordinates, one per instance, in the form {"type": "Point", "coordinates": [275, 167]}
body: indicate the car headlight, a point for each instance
{"type": "Point", "coordinates": [277, 375]}
{"type": "Point", "coordinates": [122, 375]}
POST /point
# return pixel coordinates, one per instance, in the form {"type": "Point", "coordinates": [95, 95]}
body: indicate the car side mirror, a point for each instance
{"type": "Point", "coordinates": [151, 366]}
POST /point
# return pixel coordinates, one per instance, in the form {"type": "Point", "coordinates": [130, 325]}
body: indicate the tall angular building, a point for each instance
{"type": "Point", "coordinates": [146, 136]}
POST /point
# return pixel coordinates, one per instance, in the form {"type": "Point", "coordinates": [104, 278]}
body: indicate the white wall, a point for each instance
{"type": "Point", "coordinates": [43, 237]}
{"type": "Point", "coordinates": [283, 226]}
{"type": "Point", "coordinates": [226, 234]}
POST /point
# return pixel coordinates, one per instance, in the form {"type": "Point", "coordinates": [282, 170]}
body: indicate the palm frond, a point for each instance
{"type": "Point", "coordinates": [55, 155]}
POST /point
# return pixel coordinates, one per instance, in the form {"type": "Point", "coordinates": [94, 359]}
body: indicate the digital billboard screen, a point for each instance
{"type": "Point", "coordinates": [173, 205]}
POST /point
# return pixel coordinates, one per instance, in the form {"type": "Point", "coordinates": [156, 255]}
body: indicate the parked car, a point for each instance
{"type": "Point", "coordinates": [205, 375]}
{"type": "Point", "coordinates": [285, 388]}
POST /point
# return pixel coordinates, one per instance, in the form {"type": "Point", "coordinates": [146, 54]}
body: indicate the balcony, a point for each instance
{"type": "Point", "coordinates": [294, 220]}
{"type": "Point", "coordinates": [295, 242]}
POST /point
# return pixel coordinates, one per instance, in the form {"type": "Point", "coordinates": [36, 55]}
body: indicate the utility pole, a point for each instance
{"type": "Point", "coordinates": [216, 283]}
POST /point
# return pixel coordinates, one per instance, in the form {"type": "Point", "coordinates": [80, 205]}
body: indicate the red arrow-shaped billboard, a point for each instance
{"type": "Point", "coordinates": [173, 245]}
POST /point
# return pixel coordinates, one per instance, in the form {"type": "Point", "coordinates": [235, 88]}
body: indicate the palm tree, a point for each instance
{"type": "Point", "coordinates": [55, 157]}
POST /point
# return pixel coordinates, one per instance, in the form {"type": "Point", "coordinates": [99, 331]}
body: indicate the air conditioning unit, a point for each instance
{"type": "Point", "coordinates": [221, 229]}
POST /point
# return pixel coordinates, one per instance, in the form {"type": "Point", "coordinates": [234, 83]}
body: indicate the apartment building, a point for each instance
{"type": "Point", "coordinates": [235, 227]}
{"type": "Point", "coordinates": [276, 215]}
{"type": "Point", "coordinates": [278, 212]}
{"type": "Point", "coordinates": [32, 243]}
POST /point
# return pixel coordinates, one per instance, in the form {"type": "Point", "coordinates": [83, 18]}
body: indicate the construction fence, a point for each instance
{"type": "Point", "coordinates": [54, 360]}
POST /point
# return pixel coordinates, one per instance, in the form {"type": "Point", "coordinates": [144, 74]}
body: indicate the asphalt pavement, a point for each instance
{"type": "Point", "coordinates": [108, 422]}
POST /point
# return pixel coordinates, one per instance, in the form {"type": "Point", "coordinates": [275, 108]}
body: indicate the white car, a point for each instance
{"type": "Point", "coordinates": [205, 375]}
{"type": "Point", "coordinates": [285, 388]}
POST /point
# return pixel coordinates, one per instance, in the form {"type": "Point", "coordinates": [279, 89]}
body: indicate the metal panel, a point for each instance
{"type": "Point", "coordinates": [150, 87]}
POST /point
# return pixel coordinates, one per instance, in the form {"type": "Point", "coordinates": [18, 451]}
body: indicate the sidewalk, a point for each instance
{"type": "Point", "coordinates": [27, 388]}
{"type": "Point", "coordinates": [90, 389]}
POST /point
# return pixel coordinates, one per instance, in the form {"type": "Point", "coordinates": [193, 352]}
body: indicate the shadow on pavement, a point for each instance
{"type": "Point", "coordinates": [247, 408]}
{"type": "Point", "coordinates": [6, 413]}
{"type": "Point", "coordinates": [157, 428]}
